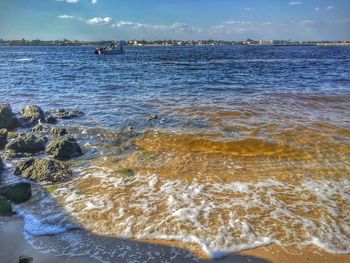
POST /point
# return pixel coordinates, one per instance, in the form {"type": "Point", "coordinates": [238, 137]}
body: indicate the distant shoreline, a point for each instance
{"type": "Point", "coordinates": [158, 43]}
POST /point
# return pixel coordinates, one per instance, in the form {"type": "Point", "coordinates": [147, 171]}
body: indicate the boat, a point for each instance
{"type": "Point", "coordinates": [111, 48]}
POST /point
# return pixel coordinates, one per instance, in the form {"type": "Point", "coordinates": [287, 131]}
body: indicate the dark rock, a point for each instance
{"type": "Point", "coordinates": [7, 117]}
{"type": "Point", "coordinates": [64, 148]}
{"type": "Point", "coordinates": [152, 117]}
{"type": "Point", "coordinates": [66, 114]}
{"type": "Point", "coordinates": [27, 143]}
{"type": "Point", "coordinates": [38, 128]}
{"type": "Point", "coordinates": [1, 166]}
{"type": "Point", "coordinates": [32, 115]}
{"type": "Point", "coordinates": [43, 170]}
{"type": "Point", "coordinates": [3, 138]}
{"type": "Point", "coordinates": [25, 259]}
{"type": "Point", "coordinates": [17, 193]}
{"type": "Point", "coordinates": [5, 207]}
{"type": "Point", "coordinates": [50, 119]}
{"type": "Point", "coordinates": [56, 131]}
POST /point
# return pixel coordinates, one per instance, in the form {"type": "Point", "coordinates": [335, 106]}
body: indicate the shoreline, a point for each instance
{"type": "Point", "coordinates": [14, 245]}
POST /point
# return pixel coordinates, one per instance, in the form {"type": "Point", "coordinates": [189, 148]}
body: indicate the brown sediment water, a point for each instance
{"type": "Point", "coordinates": [215, 195]}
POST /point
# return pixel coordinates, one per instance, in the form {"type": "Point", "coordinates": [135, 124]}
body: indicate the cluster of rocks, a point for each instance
{"type": "Point", "coordinates": [50, 168]}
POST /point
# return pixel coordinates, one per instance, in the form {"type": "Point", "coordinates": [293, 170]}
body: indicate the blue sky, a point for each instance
{"type": "Point", "coordinates": [175, 19]}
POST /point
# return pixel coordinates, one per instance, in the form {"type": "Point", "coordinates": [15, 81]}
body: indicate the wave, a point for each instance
{"type": "Point", "coordinates": [23, 59]}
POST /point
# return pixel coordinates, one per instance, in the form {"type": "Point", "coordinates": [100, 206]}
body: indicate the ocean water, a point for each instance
{"type": "Point", "coordinates": [251, 147]}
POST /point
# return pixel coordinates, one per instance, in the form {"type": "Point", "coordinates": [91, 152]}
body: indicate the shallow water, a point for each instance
{"type": "Point", "coordinates": [251, 147]}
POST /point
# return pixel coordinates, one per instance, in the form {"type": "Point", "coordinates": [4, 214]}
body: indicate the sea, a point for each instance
{"type": "Point", "coordinates": [246, 146]}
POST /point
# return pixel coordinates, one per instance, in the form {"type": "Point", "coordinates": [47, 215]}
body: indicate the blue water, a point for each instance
{"type": "Point", "coordinates": [184, 85]}
{"type": "Point", "coordinates": [261, 146]}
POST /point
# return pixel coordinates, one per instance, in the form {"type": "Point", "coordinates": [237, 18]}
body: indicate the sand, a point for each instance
{"type": "Point", "coordinates": [13, 245]}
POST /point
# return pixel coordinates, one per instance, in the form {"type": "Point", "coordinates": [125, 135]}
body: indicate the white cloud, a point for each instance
{"type": "Point", "coordinates": [175, 27]}
{"type": "Point", "coordinates": [248, 9]}
{"type": "Point", "coordinates": [295, 3]}
{"type": "Point", "coordinates": [342, 21]}
{"type": "Point", "coordinates": [329, 7]}
{"type": "Point", "coordinates": [100, 21]}
{"type": "Point", "coordinates": [317, 8]}
{"type": "Point", "coordinates": [69, 1]}
{"type": "Point", "coordinates": [65, 17]}
{"type": "Point", "coordinates": [94, 1]}
{"type": "Point", "coordinates": [306, 22]}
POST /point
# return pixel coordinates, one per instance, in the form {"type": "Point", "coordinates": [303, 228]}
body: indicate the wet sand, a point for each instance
{"type": "Point", "coordinates": [13, 245]}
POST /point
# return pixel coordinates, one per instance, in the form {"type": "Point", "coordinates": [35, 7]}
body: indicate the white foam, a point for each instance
{"type": "Point", "coordinates": [210, 215]}
{"type": "Point", "coordinates": [23, 59]}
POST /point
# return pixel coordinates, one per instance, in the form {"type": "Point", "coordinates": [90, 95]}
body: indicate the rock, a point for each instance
{"type": "Point", "coordinates": [43, 170]}
{"type": "Point", "coordinates": [3, 138]}
{"type": "Point", "coordinates": [56, 131]}
{"type": "Point", "coordinates": [66, 114]}
{"type": "Point", "coordinates": [38, 128]}
{"type": "Point", "coordinates": [7, 117]}
{"type": "Point", "coordinates": [5, 207]}
{"type": "Point", "coordinates": [64, 148]}
{"type": "Point", "coordinates": [17, 193]}
{"type": "Point", "coordinates": [8, 155]}
{"type": "Point", "coordinates": [25, 259]}
{"type": "Point", "coordinates": [152, 117]}
{"type": "Point", "coordinates": [50, 119]}
{"type": "Point", "coordinates": [1, 166]}
{"type": "Point", "coordinates": [27, 143]}
{"type": "Point", "coordinates": [32, 115]}
{"type": "Point", "coordinates": [126, 172]}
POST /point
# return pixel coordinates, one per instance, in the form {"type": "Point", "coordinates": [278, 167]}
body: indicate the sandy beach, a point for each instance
{"type": "Point", "coordinates": [14, 245]}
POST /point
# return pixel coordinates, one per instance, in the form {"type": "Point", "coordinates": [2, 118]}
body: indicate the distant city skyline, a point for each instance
{"type": "Point", "coordinates": [182, 19]}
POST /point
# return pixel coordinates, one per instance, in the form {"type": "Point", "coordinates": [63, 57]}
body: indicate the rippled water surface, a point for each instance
{"type": "Point", "coordinates": [252, 144]}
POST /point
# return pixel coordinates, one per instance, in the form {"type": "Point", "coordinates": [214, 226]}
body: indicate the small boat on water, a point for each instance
{"type": "Point", "coordinates": [111, 48]}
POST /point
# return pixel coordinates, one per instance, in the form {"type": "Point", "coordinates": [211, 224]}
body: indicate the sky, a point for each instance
{"type": "Point", "coordinates": [175, 19]}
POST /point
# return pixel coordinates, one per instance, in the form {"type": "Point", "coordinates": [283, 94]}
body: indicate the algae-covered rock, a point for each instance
{"type": "Point", "coordinates": [3, 138]}
{"type": "Point", "coordinates": [27, 143]}
{"type": "Point", "coordinates": [38, 128]}
{"type": "Point", "coordinates": [43, 170]}
{"type": "Point", "coordinates": [56, 131]}
{"type": "Point", "coordinates": [126, 172]}
{"type": "Point", "coordinates": [66, 114]}
{"type": "Point", "coordinates": [8, 119]}
{"type": "Point", "coordinates": [17, 193]}
{"type": "Point", "coordinates": [64, 148]}
{"type": "Point", "coordinates": [32, 115]}
{"type": "Point", "coordinates": [5, 207]}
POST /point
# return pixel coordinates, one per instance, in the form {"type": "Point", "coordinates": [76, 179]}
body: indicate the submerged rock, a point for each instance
{"type": "Point", "coordinates": [7, 117]}
{"type": "Point", "coordinates": [27, 143]}
{"type": "Point", "coordinates": [3, 138]}
{"type": "Point", "coordinates": [50, 119]}
{"type": "Point", "coordinates": [43, 170]}
{"type": "Point", "coordinates": [25, 259]}
{"type": "Point", "coordinates": [152, 117]}
{"type": "Point", "coordinates": [64, 148]}
{"type": "Point", "coordinates": [17, 193]}
{"type": "Point", "coordinates": [66, 114]}
{"type": "Point", "coordinates": [32, 115]}
{"type": "Point", "coordinates": [56, 131]}
{"type": "Point", "coordinates": [5, 207]}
